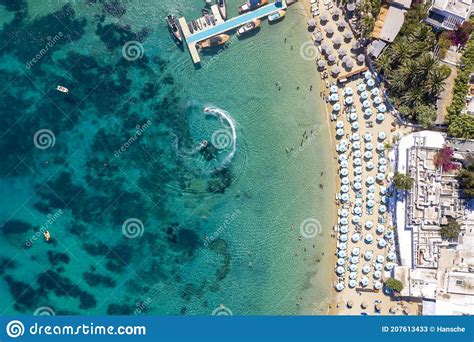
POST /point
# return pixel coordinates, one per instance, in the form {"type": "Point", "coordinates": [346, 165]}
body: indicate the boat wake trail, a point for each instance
{"type": "Point", "coordinates": [222, 138]}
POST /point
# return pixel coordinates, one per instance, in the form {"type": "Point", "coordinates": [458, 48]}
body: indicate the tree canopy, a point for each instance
{"type": "Point", "coordinates": [403, 182]}
{"type": "Point", "coordinates": [394, 284]}
{"type": "Point", "coordinates": [450, 230]}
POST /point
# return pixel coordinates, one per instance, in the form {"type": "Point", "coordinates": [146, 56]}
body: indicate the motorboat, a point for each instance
{"type": "Point", "coordinates": [275, 16]}
{"type": "Point", "coordinates": [252, 5]}
{"type": "Point", "coordinates": [250, 26]}
{"type": "Point", "coordinates": [213, 41]}
{"type": "Point", "coordinates": [174, 28]}
{"type": "Point", "coordinates": [221, 5]}
{"type": "Point", "coordinates": [62, 89]}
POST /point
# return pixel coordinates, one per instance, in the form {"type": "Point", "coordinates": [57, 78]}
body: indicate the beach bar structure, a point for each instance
{"type": "Point", "coordinates": [222, 26]}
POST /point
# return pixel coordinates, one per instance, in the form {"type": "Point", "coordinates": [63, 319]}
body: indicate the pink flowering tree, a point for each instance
{"type": "Point", "coordinates": [444, 159]}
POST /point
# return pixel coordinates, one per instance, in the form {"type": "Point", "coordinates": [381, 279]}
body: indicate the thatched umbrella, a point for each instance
{"type": "Point", "coordinates": [337, 12]}
{"type": "Point", "coordinates": [323, 17]}
{"type": "Point", "coordinates": [311, 23]}
{"type": "Point", "coordinates": [351, 6]}
{"type": "Point", "coordinates": [350, 304]}
{"type": "Point", "coordinates": [355, 45]}
{"type": "Point", "coordinates": [360, 58]}
{"type": "Point", "coordinates": [346, 59]}
{"type": "Point", "coordinates": [335, 70]}
{"type": "Point", "coordinates": [318, 36]}
{"type": "Point", "coordinates": [337, 40]}
{"type": "Point", "coordinates": [349, 64]}
{"type": "Point", "coordinates": [321, 63]}
{"type": "Point", "coordinates": [363, 305]}
{"type": "Point", "coordinates": [341, 24]}
{"type": "Point", "coordinates": [342, 51]}
{"type": "Point", "coordinates": [325, 46]}
{"type": "Point", "coordinates": [331, 58]}
{"type": "Point", "coordinates": [348, 35]}
{"type": "Point", "coordinates": [330, 30]}
{"type": "Point", "coordinates": [328, 51]}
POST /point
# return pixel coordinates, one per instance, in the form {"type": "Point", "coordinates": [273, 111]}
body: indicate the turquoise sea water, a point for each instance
{"type": "Point", "coordinates": [143, 220]}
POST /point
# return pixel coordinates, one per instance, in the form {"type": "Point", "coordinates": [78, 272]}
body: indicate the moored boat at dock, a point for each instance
{"type": "Point", "coordinates": [250, 26]}
{"type": "Point", "coordinates": [221, 5]}
{"type": "Point", "coordinates": [213, 41]}
{"type": "Point", "coordinates": [275, 16]}
{"type": "Point", "coordinates": [252, 5]}
{"type": "Point", "coordinates": [174, 28]}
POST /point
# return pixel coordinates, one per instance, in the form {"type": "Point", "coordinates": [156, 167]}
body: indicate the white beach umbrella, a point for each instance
{"type": "Point", "coordinates": [370, 203]}
{"type": "Point", "coordinates": [344, 142]}
{"type": "Point", "coordinates": [353, 275]}
{"type": "Point", "coordinates": [345, 188]}
{"type": "Point", "coordinates": [355, 126]}
{"type": "Point", "coordinates": [352, 283]}
{"type": "Point", "coordinates": [355, 251]}
{"type": "Point", "coordinates": [366, 269]}
{"type": "Point", "coordinates": [371, 82]}
{"type": "Point", "coordinates": [380, 228]}
{"type": "Point", "coordinates": [377, 100]}
{"type": "Point", "coordinates": [343, 238]}
{"type": "Point", "coordinates": [354, 260]}
{"type": "Point", "coordinates": [357, 211]}
{"type": "Point", "coordinates": [382, 108]}
{"type": "Point", "coordinates": [377, 274]}
{"type": "Point", "coordinates": [339, 124]}
{"type": "Point", "coordinates": [356, 145]}
{"type": "Point", "coordinates": [368, 254]}
{"type": "Point", "coordinates": [369, 224]}
{"type": "Point", "coordinates": [391, 256]}
{"type": "Point", "coordinates": [368, 155]}
{"type": "Point", "coordinates": [341, 262]}
{"type": "Point", "coordinates": [333, 89]}
{"type": "Point", "coordinates": [369, 165]}
{"type": "Point", "coordinates": [366, 104]}
{"type": "Point", "coordinates": [341, 254]}
{"type": "Point", "coordinates": [339, 286]}
{"type": "Point", "coordinates": [356, 219]}
{"type": "Point", "coordinates": [344, 229]}
{"type": "Point", "coordinates": [371, 188]}
{"type": "Point", "coordinates": [354, 137]}
{"type": "Point", "coordinates": [369, 146]}
{"type": "Point", "coordinates": [343, 245]}
{"type": "Point", "coordinates": [380, 147]}
{"type": "Point", "coordinates": [333, 97]}
{"type": "Point", "coordinates": [378, 266]}
{"type": "Point", "coordinates": [340, 270]}
{"type": "Point", "coordinates": [367, 75]}
{"type": "Point", "coordinates": [336, 108]}
{"type": "Point", "coordinates": [344, 172]}
{"type": "Point", "coordinates": [340, 132]}
{"type": "Point", "coordinates": [380, 117]}
{"type": "Point", "coordinates": [345, 180]}
{"type": "Point", "coordinates": [380, 258]}
{"type": "Point", "coordinates": [344, 197]}
{"type": "Point", "coordinates": [355, 237]}
{"type": "Point", "coordinates": [321, 63]}
{"type": "Point", "coordinates": [371, 196]}
{"type": "Point", "coordinates": [357, 185]}
{"type": "Point", "coordinates": [358, 170]}
{"type": "Point", "coordinates": [344, 221]}
{"type": "Point", "coordinates": [349, 100]}
{"type": "Point", "coordinates": [348, 91]}
{"type": "Point", "coordinates": [357, 154]}
{"type": "Point", "coordinates": [361, 87]}
{"type": "Point", "coordinates": [368, 238]}
{"type": "Point", "coordinates": [382, 135]}
{"type": "Point", "coordinates": [382, 209]}
{"type": "Point", "coordinates": [357, 161]}
{"type": "Point", "coordinates": [353, 268]}
{"type": "Point", "coordinates": [364, 281]}
{"type": "Point", "coordinates": [382, 161]}
{"type": "Point", "coordinates": [383, 199]}
{"type": "Point", "coordinates": [375, 91]}
{"type": "Point", "coordinates": [353, 117]}
{"type": "Point", "coordinates": [364, 95]}
{"type": "Point", "coordinates": [380, 176]}
{"type": "Point", "coordinates": [378, 285]}
{"type": "Point", "coordinates": [367, 137]}
{"type": "Point", "coordinates": [389, 266]}
{"type": "Point", "coordinates": [382, 243]}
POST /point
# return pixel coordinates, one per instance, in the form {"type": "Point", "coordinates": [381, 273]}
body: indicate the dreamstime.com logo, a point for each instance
{"type": "Point", "coordinates": [44, 139]}
{"type": "Point", "coordinates": [310, 227]}
{"type": "Point", "coordinates": [133, 50]}
{"type": "Point", "coordinates": [133, 228]}
{"type": "Point", "coordinates": [15, 329]}
{"type": "Point", "coordinates": [308, 51]}
{"type": "Point", "coordinates": [221, 310]}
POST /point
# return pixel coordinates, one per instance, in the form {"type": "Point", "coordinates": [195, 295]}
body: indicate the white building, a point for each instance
{"type": "Point", "coordinates": [448, 14]}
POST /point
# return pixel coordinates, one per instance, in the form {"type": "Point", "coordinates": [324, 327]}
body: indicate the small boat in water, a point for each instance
{"type": "Point", "coordinates": [47, 236]}
{"type": "Point", "coordinates": [190, 27]}
{"type": "Point", "coordinates": [174, 28]}
{"type": "Point", "coordinates": [62, 89]}
{"type": "Point", "coordinates": [275, 16]}
{"type": "Point", "coordinates": [222, 8]}
{"type": "Point", "coordinates": [252, 5]}
{"type": "Point", "coordinates": [213, 41]}
{"type": "Point", "coordinates": [251, 25]}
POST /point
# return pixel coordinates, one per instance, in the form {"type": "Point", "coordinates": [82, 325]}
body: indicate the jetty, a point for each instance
{"type": "Point", "coordinates": [222, 26]}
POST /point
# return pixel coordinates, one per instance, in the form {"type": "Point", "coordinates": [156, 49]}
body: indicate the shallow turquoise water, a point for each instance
{"type": "Point", "coordinates": [212, 226]}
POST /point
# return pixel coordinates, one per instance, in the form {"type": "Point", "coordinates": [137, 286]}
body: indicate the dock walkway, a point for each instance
{"type": "Point", "coordinates": [224, 26]}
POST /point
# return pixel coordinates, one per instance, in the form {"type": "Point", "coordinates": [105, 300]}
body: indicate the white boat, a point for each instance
{"type": "Point", "coordinates": [62, 89]}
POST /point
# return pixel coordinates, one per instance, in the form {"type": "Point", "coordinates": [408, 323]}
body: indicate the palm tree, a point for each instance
{"type": "Point", "coordinates": [401, 50]}
{"type": "Point", "coordinates": [412, 97]}
{"type": "Point", "coordinates": [435, 82]}
{"type": "Point", "coordinates": [383, 63]}
{"type": "Point", "coordinates": [426, 64]}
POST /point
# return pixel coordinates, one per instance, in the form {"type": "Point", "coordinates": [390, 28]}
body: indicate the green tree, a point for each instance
{"type": "Point", "coordinates": [403, 182]}
{"type": "Point", "coordinates": [461, 126]}
{"type": "Point", "coordinates": [426, 115]}
{"type": "Point", "coordinates": [466, 180]}
{"type": "Point", "coordinates": [394, 284]}
{"type": "Point", "coordinates": [450, 230]}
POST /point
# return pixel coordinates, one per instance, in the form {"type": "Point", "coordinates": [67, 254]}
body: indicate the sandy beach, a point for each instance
{"type": "Point", "coordinates": [338, 54]}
